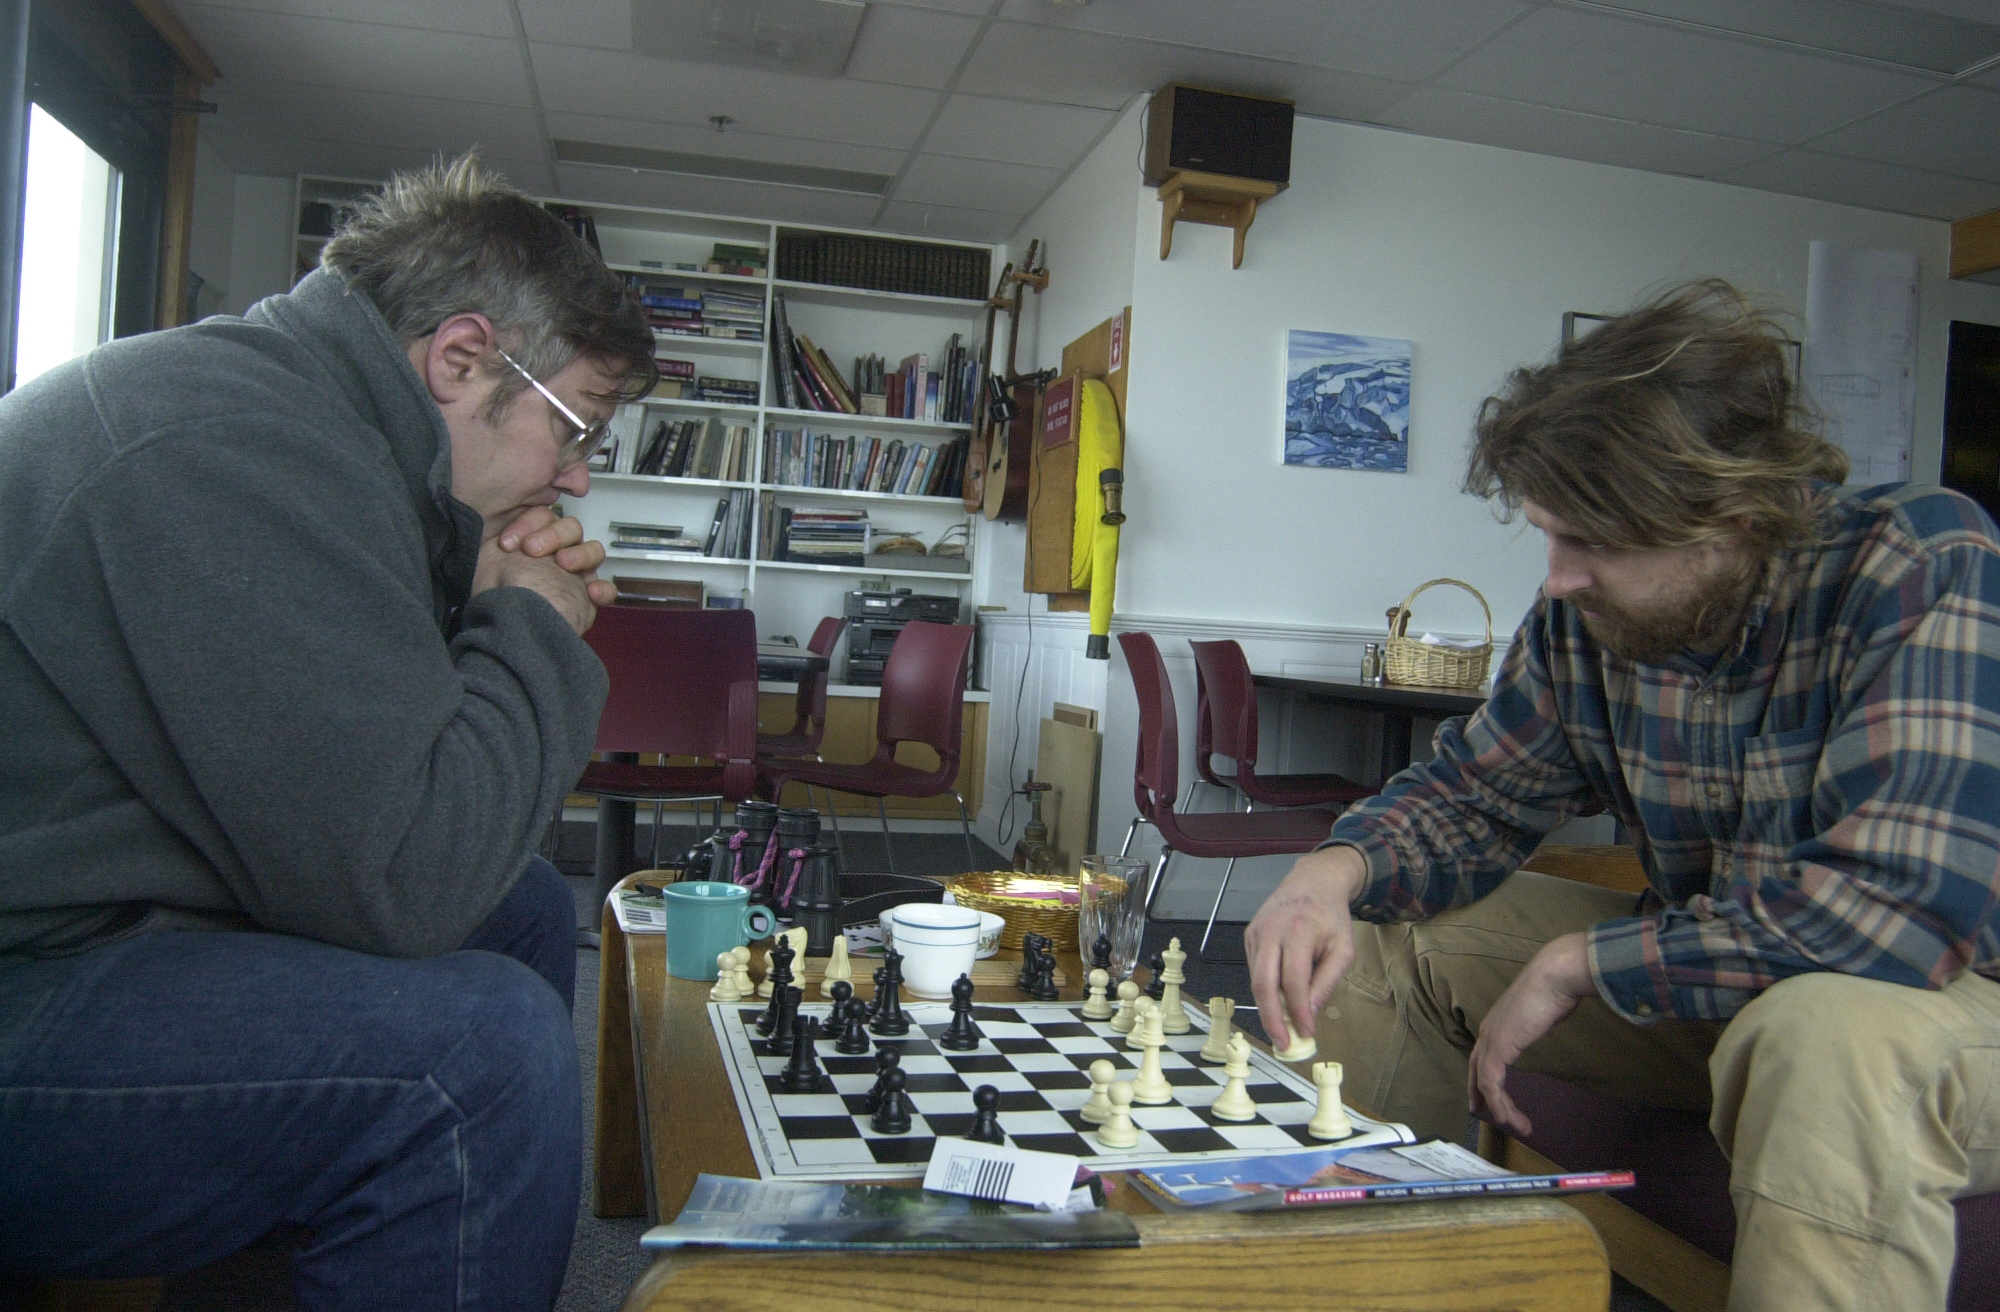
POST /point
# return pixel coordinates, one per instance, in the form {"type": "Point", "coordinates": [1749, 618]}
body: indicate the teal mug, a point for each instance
{"type": "Point", "coordinates": [706, 918]}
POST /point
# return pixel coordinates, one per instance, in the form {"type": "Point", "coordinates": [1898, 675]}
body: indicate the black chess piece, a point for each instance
{"type": "Point", "coordinates": [787, 998]}
{"type": "Point", "coordinates": [1156, 988]}
{"type": "Point", "coordinates": [778, 971]}
{"type": "Point", "coordinates": [986, 1125]}
{"type": "Point", "coordinates": [1100, 953]}
{"type": "Point", "coordinates": [881, 973]}
{"type": "Point", "coordinates": [886, 1060]}
{"type": "Point", "coordinates": [961, 1035]}
{"type": "Point", "coordinates": [1044, 987]}
{"type": "Point", "coordinates": [1030, 945]}
{"type": "Point", "coordinates": [853, 1040]}
{"type": "Point", "coordinates": [803, 1074]}
{"type": "Point", "coordinates": [889, 1020]}
{"type": "Point", "coordinates": [893, 1116]}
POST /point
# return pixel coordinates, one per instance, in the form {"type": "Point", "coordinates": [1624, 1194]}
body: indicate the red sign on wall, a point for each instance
{"type": "Point", "coordinates": [1059, 412]}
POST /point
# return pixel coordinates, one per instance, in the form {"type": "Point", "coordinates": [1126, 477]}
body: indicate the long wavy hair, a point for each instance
{"type": "Point", "coordinates": [1676, 423]}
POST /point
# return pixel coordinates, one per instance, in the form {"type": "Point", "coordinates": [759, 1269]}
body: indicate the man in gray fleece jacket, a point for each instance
{"type": "Point", "coordinates": [291, 660]}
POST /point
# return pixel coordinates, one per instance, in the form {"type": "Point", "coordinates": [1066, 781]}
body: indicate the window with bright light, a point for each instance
{"type": "Point", "coordinates": [69, 249]}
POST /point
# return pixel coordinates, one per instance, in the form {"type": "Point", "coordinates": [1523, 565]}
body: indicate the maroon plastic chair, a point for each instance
{"type": "Point", "coordinates": [683, 683]}
{"type": "Point", "coordinates": [1224, 835]}
{"type": "Point", "coordinates": [1227, 697]}
{"type": "Point", "coordinates": [809, 719]}
{"type": "Point", "coordinates": [923, 701]}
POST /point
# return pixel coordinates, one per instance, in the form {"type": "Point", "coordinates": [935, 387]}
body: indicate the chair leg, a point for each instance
{"type": "Point", "coordinates": [1131, 829]}
{"type": "Point", "coordinates": [882, 809]}
{"type": "Point", "coordinates": [965, 823]}
{"type": "Point", "coordinates": [1209, 929]}
{"type": "Point", "coordinates": [1159, 877]}
{"type": "Point", "coordinates": [659, 815]}
{"type": "Point", "coordinates": [839, 847]}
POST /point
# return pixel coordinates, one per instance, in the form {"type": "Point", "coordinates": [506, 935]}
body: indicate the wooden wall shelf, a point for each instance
{"type": "Point", "coordinates": [1975, 247]}
{"type": "Point", "coordinates": [1212, 198]}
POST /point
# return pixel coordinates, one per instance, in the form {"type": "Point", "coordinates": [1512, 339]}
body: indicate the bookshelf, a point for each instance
{"type": "Point", "coordinates": [846, 322]}
{"type": "Point", "coordinates": [316, 206]}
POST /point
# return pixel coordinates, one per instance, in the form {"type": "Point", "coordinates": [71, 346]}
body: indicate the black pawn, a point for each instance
{"type": "Point", "coordinates": [1044, 988]}
{"type": "Point", "coordinates": [853, 1040]}
{"type": "Point", "coordinates": [961, 1035]}
{"type": "Point", "coordinates": [889, 1020]}
{"type": "Point", "coordinates": [893, 1116]}
{"type": "Point", "coordinates": [881, 973]}
{"type": "Point", "coordinates": [1100, 953]}
{"type": "Point", "coordinates": [886, 1060]}
{"type": "Point", "coordinates": [986, 1125]}
{"type": "Point", "coordinates": [786, 999]}
{"type": "Point", "coordinates": [803, 1074]}
{"type": "Point", "coordinates": [1156, 988]}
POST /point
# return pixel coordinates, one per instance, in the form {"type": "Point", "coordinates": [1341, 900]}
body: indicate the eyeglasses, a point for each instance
{"type": "Point", "coordinates": [588, 437]}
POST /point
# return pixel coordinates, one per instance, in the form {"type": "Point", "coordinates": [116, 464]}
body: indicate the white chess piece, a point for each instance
{"type": "Point", "coordinates": [1098, 1006]}
{"type": "Point", "coordinates": [1235, 1103]}
{"type": "Point", "coordinates": [1098, 1109]}
{"type": "Point", "coordinates": [725, 979]}
{"type": "Point", "coordinates": [838, 966]}
{"type": "Point", "coordinates": [1128, 1007]}
{"type": "Point", "coordinates": [764, 985]}
{"type": "Point", "coordinates": [1303, 1047]}
{"type": "Point", "coordinates": [1118, 1131]}
{"type": "Point", "coordinates": [1330, 1121]}
{"type": "Point", "coordinates": [1219, 1029]}
{"type": "Point", "coordinates": [1173, 1015]}
{"type": "Point", "coordinates": [1150, 1085]}
{"type": "Point", "coordinates": [745, 986]}
{"type": "Point", "coordinates": [1142, 1007]}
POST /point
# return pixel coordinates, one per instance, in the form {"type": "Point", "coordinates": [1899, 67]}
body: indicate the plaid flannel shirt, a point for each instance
{"type": "Point", "coordinates": [1826, 796]}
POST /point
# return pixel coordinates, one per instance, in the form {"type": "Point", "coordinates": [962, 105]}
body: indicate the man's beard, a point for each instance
{"type": "Point", "coordinates": [1701, 613]}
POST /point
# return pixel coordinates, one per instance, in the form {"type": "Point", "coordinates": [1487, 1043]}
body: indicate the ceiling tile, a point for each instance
{"type": "Point", "coordinates": [278, 155]}
{"type": "Point", "coordinates": [638, 87]}
{"type": "Point", "coordinates": [373, 118]}
{"type": "Point", "coordinates": [1888, 34]}
{"type": "Point", "coordinates": [1021, 61]}
{"type": "Point", "coordinates": [910, 47]}
{"type": "Point", "coordinates": [734, 144]}
{"type": "Point", "coordinates": [1869, 185]}
{"type": "Point", "coordinates": [1956, 130]}
{"type": "Point", "coordinates": [714, 196]}
{"type": "Point", "coordinates": [977, 8]}
{"type": "Point", "coordinates": [605, 24]}
{"type": "Point", "coordinates": [976, 184]}
{"type": "Point", "coordinates": [1017, 131]}
{"type": "Point", "coordinates": [364, 56]}
{"type": "Point", "coordinates": [1459, 116]}
{"type": "Point", "coordinates": [1384, 38]}
{"type": "Point", "coordinates": [947, 222]}
{"type": "Point", "coordinates": [1647, 72]}
{"type": "Point", "coordinates": [472, 17]}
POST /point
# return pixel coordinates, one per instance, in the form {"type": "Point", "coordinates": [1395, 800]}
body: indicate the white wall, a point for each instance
{"type": "Point", "coordinates": [260, 245]}
{"type": "Point", "coordinates": [213, 227]}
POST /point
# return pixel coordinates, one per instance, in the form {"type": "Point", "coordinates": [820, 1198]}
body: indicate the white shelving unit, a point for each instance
{"type": "Point", "coordinates": [789, 597]}
{"type": "Point", "coordinates": [335, 193]}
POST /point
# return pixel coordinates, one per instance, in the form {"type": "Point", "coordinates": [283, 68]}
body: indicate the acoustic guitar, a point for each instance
{"type": "Point", "coordinates": [996, 481]}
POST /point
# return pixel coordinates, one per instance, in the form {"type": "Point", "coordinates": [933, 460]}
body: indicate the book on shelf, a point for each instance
{"type": "Point", "coordinates": [671, 594]}
{"type": "Point", "coordinates": [728, 391]}
{"type": "Point", "coordinates": [729, 537]}
{"type": "Point", "coordinates": [671, 368]}
{"type": "Point", "coordinates": [1378, 1173]}
{"type": "Point", "coordinates": [825, 535]}
{"type": "Point", "coordinates": [781, 355]}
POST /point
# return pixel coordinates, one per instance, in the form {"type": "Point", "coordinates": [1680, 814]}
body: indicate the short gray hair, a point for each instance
{"type": "Point", "coordinates": [455, 238]}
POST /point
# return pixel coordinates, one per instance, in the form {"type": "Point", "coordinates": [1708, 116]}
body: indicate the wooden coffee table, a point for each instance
{"type": "Point", "coordinates": [665, 1114]}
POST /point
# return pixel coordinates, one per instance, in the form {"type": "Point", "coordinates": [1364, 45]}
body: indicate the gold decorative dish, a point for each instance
{"type": "Point", "coordinates": [1030, 904]}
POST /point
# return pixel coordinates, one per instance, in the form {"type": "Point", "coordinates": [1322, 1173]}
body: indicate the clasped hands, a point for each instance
{"type": "Point", "coordinates": [545, 553]}
{"type": "Point", "coordinates": [1302, 941]}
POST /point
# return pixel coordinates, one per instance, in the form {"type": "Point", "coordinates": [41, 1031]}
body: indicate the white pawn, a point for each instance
{"type": "Point", "coordinates": [1097, 1006]}
{"type": "Point", "coordinates": [1173, 1015]}
{"type": "Point", "coordinates": [1330, 1121]}
{"type": "Point", "coordinates": [1235, 1103]}
{"type": "Point", "coordinates": [745, 986]}
{"type": "Point", "coordinates": [725, 979]}
{"type": "Point", "coordinates": [1118, 1130]}
{"type": "Point", "coordinates": [1150, 1085]}
{"type": "Point", "coordinates": [1128, 1007]}
{"type": "Point", "coordinates": [764, 984]}
{"type": "Point", "coordinates": [838, 966]}
{"type": "Point", "coordinates": [1141, 1009]}
{"type": "Point", "coordinates": [1098, 1109]}
{"type": "Point", "coordinates": [1219, 1029]}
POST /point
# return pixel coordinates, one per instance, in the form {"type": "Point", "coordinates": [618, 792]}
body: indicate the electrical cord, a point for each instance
{"type": "Point", "coordinates": [1006, 823]}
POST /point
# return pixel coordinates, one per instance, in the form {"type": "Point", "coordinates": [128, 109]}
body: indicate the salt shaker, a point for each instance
{"type": "Point", "coordinates": [1371, 663]}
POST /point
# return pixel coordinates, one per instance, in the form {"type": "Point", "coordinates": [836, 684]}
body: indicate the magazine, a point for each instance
{"type": "Point", "coordinates": [727, 1212]}
{"type": "Point", "coordinates": [1371, 1174]}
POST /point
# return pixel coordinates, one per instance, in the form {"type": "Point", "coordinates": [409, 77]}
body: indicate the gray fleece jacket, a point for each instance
{"type": "Point", "coordinates": [236, 685]}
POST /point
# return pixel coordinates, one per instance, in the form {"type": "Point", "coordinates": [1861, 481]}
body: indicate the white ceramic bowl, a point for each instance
{"type": "Point", "coordinates": [990, 926]}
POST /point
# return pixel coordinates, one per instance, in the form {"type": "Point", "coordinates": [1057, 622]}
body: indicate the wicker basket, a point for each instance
{"type": "Point", "coordinates": [1405, 660]}
{"type": "Point", "coordinates": [1011, 895]}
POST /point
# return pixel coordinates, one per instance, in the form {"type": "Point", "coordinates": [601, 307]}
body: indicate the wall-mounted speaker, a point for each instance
{"type": "Point", "coordinates": [1191, 129]}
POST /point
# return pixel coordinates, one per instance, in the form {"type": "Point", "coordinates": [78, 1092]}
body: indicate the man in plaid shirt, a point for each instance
{"type": "Point", "coordinates": [1789, 694]}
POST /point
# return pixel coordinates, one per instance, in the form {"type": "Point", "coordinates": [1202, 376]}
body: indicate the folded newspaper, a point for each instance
{"type": "Point", "coordinates": [1371, 1174]}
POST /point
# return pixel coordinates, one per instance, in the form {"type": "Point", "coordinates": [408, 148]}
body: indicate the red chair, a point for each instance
{"type": "Point", "coordinates": [923, 701]}
{"type": "Point", "coordinates": [1227, 697]}
{"type": "Point", "coordinates": [1224, 835]}
{"type": "Point", "coordinates": [683, 683]}
{"type": "Point", "coordinates": [809, 720]}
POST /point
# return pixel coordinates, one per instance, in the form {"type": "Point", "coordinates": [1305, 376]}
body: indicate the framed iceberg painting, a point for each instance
{"type": "Point", "coordinates": [1347, 401]}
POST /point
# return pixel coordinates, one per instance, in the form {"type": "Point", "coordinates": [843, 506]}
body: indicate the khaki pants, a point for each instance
{"type": "Point", "coordinates": [1852, 1111]}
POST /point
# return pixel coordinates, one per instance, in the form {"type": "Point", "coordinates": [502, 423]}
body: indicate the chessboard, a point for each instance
{"type": "Point", "coordinates": [1036, 1054]}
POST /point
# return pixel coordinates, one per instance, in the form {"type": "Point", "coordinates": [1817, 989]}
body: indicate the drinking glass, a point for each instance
{"type": "Point", "coordinates": [1114, 904]}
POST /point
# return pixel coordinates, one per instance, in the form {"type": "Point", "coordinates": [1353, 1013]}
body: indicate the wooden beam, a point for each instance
{"type": "Point", "coordinates": [178, 38]}
{"type": "Point", "coordinates": [177, 217]}
{"type": "Point", "coordinates": [1975, 245]}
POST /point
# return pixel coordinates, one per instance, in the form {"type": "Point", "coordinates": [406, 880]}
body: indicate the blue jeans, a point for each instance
{"type": "Point", "coordinates": [167, 1099]}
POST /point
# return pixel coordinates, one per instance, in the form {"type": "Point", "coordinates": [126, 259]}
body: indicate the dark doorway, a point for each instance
{"type": "Point", "coordinates": [1972, 414]}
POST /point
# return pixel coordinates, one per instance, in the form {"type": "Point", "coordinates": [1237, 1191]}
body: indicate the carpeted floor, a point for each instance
{"type": "Point", "coordinates": [605, 1257]}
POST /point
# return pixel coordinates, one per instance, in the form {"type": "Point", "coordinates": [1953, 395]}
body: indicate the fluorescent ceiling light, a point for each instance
{"type": "Point", "coordinates": [791, 36]}
{"type": "Point", "coordinates": [720, 166]}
